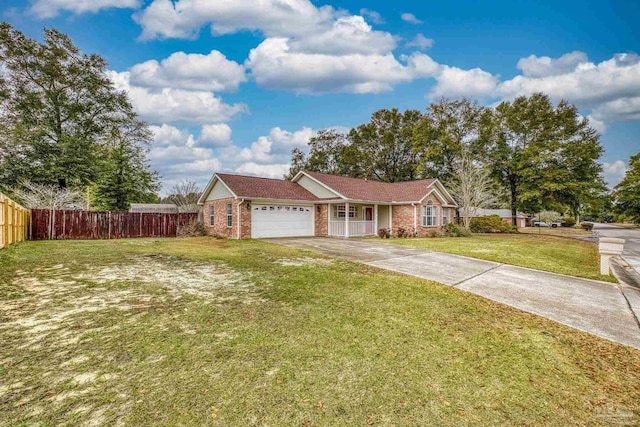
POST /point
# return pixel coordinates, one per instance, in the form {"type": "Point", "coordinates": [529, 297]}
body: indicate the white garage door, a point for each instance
{"type": "Point", "coordinates": [281, 220]}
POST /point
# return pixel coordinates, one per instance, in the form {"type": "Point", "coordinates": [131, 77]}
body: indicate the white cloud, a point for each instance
{"type": "Point", "coordinates": [452, 81]}
{"type": "Point", "coordinates": [216, 135]}
{"type": "Point", "coordinates": [267, 171]}
{"type": "Point", "coordinates": [168, 105]}
{"type": "Point", "coordinates": [618, 110]}
{"type": "Point", "coordinates": [212, 72]}
{"type": "Point", "coordinates": [613, 172]}
{"type": "Point", "coordinates": [274, 65]}
{"type": "Point", "coordinates": [534, 66]}
{"type": "Point", "coordinates": [50, 8]}
{"type": "Point", "coordinates": [456, 82]}
{"type": "Point", "coordinates": [598, 125]}
{"type": "Point", "coordinates": [372, 15]}
{"type": "Point", "coordinates": [587, 85]}
{"type": "Point", "coordinates": [184, 18]}
{"type": "Point", "coordinates": [347, 35]}
{"type": "Point", "coordinates": [177, 154]}
{"type": "Point", "coordinates": [420, 41]}
{"type": "Point", "coordinates": [410, 18]}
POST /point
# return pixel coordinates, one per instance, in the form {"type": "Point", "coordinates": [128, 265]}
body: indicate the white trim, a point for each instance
{"type": "Point", "coordinates": [446, 192]}
{"type": "Point", "coordinates": [375, 218]}
{"type": "Point", "coordinates": [346, 219]}
{"type": "Point", "coordinates": [209, 187]}
{"type": "Point", "coordinates": [297, 177]}
{"type": "Point", "coordinates": [415, 226]}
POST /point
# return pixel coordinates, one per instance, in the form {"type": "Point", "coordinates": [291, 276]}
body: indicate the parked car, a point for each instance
{"type": "Point", "coordinates": [540, 224]}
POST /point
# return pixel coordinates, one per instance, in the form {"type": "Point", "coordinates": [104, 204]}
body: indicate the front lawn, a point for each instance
{"type": "Point", "coordinates": [541, 252]}
{"type": "Point", "coordinates": [213, 332]}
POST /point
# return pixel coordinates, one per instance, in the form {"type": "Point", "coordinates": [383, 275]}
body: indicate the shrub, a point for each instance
{"type": "Point", "coordinates": [434, 233]}
{"type": "Point", "coordinates": [491, 224]}
{"type": "Point", "coordinates": [403, 233]}
{"type": "Point", "coordinates": [384, 233]}
{"type": "Point", "coordinates": [586, 226]}
{"type": "Point", "coordinates": [452, 230]}
{"type": "Point", "coordinates": [193, 228]}
{"type": "Point", "coordinates": [569, 222]}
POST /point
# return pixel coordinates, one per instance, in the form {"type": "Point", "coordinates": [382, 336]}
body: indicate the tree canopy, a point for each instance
{"type": "Point", "coordinates": [627, 192]}
{"type": "Point", "coordinates": [63, 122]}
{"type": "Point", "coordinates": [539, 155]}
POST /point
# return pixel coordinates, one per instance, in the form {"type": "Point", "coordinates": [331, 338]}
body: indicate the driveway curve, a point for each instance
{"type": "Point", "coordinates": [599, 308]}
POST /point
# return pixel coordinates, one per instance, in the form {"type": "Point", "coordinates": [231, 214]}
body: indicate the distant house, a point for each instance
{"type": "Point", "coordinates": [153, 208]}
{"type": "Point", "coordinates": [318, 204]}
{"type": "Point", "coordinates": [505, 214]}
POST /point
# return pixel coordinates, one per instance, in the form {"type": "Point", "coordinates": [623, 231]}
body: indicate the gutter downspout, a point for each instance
{"type": "Point", "coordinates": [239, 214]}
{"type": "Point", "coordinates": [414, 218]}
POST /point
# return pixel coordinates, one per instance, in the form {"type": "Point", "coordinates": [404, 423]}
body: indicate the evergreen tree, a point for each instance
{"type": "Point", "coordinates": [627, 192]}
{"type": "Point", "coordinates": [545, 156]}
{"type": "Point", "coordinates": [59, 114]}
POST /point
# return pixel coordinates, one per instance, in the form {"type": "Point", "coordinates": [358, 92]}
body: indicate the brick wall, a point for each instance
{"type": "Point", "coordinates": [219, 228]}
{"type": "Point", "coordinates": [321, 224]}
{"type": "Point", "coordinates": [245, 220]}
{"type": "Point", "coordinates": [402, 217]}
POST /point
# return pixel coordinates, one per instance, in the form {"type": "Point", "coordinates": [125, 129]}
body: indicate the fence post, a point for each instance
{"type": "Point", "coordinates": [109, 220]}
{"type": "Point", "coordinates": [5, 225]}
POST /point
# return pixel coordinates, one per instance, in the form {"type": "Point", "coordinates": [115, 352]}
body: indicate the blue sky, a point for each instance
{"type": "Point", "coordinates": [235, 85]}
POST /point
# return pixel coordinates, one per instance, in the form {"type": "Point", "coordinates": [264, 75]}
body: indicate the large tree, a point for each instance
{"type": "Point", "coordinates": [380, 150]}
{"type": "Point", "coordinates": [627, 192]}
{"type": "Point", "coordinates": [59, 113]}
{"type": "Point", "coordinates": [545, 156]}
{"type": "Point", "coordinates": [125, 177]}
{"type": "Point", "coordinates": [449, 131]}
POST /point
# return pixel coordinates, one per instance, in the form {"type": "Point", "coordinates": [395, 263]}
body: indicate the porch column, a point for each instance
{"type": "Point", "coordinates": [346, 219]}
{"type": "Point", "coordinates": [375, 219]}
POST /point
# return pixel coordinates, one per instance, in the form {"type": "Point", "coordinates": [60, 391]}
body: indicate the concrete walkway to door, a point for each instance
{"type": "Point", "coordinates": [596, 307]}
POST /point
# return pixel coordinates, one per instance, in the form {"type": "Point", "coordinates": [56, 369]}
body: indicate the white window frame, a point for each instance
{"type": "Point", "coordinates": [445, 217]}
{"type": "Point", "coordinates": [429, 215]}
{"type": "Point", "coordinates": [229, 215]}
{"type": "Point", "coordinates": [212, 215]}
{"type": "Point", "coordinates": [339, 211]}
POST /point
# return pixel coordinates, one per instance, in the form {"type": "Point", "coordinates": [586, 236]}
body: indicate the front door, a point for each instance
{"type": "Point", "coordinates": [368, 216]}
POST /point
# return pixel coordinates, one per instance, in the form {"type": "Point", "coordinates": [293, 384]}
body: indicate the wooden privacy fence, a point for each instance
{"type": "Point", "coordinates": [14, 222]}
{"type": "Point", "coordinates": [63, 224]}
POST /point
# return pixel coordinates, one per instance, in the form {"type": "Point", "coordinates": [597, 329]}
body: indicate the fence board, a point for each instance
{"type": "Point", "coordinates": [14, 222]}
{"type": "Point", "coordinates": [64, 224]}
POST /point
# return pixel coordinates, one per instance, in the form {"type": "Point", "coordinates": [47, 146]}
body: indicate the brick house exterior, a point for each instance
{"type": "Point", "coordinates": [316, 204]}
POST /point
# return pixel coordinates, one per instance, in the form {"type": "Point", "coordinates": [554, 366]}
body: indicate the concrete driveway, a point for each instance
{"type": "Point", "coordinates": [596, 307]}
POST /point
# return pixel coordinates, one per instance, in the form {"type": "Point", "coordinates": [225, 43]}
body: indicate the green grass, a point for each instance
{"type": "Point", "coordinates": [212, 332]}
{"type": "Point", "coordinates": [541, 252]}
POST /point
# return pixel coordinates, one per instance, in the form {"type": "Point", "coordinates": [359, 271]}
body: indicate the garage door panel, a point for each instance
{"type": "Point", "coordinates": [281, 221]}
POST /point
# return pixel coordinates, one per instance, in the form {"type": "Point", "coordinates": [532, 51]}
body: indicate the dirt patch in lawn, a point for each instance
{"type": "Point", "coordinates": [66, 311]}
{"type": "Point", "coordinates": [302, 261]}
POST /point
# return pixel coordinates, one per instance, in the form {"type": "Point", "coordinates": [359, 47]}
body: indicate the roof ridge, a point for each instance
{"type": "Point", "coordinates": [252, 176]}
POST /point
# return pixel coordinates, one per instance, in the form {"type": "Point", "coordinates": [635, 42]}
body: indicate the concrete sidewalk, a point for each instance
{"type": "Point", "coordinates": [596, 307]}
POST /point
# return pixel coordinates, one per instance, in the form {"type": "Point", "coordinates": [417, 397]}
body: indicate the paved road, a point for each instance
{"type": "Point", "coordinates": [631, 245]}
{"type": "Point", "coordinates": [596, 307]}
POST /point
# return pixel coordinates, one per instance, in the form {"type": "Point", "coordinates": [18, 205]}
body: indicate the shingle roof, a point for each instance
{"type": "Point", "coordinates": [265, 188]}
{"type": "Point", "coordinates": [375, 191]}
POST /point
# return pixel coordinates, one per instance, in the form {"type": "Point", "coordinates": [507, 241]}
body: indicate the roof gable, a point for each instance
{"type": "Point", "coordinates": [376, 191]}
{"type": "Point", "coordinates": [252, 187]}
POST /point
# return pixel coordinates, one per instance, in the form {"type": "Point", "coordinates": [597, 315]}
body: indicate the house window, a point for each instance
{"type": "Point", "coordinates": [445, 217]}
{"type": "Point", "coordinates": [339, 211]}
{"type": "Point", "coordinates": [429, 215]}
{"type": "Point", "coordinates": [229, 215]}
{"type": "Point", "coordinates": [211, 216]}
